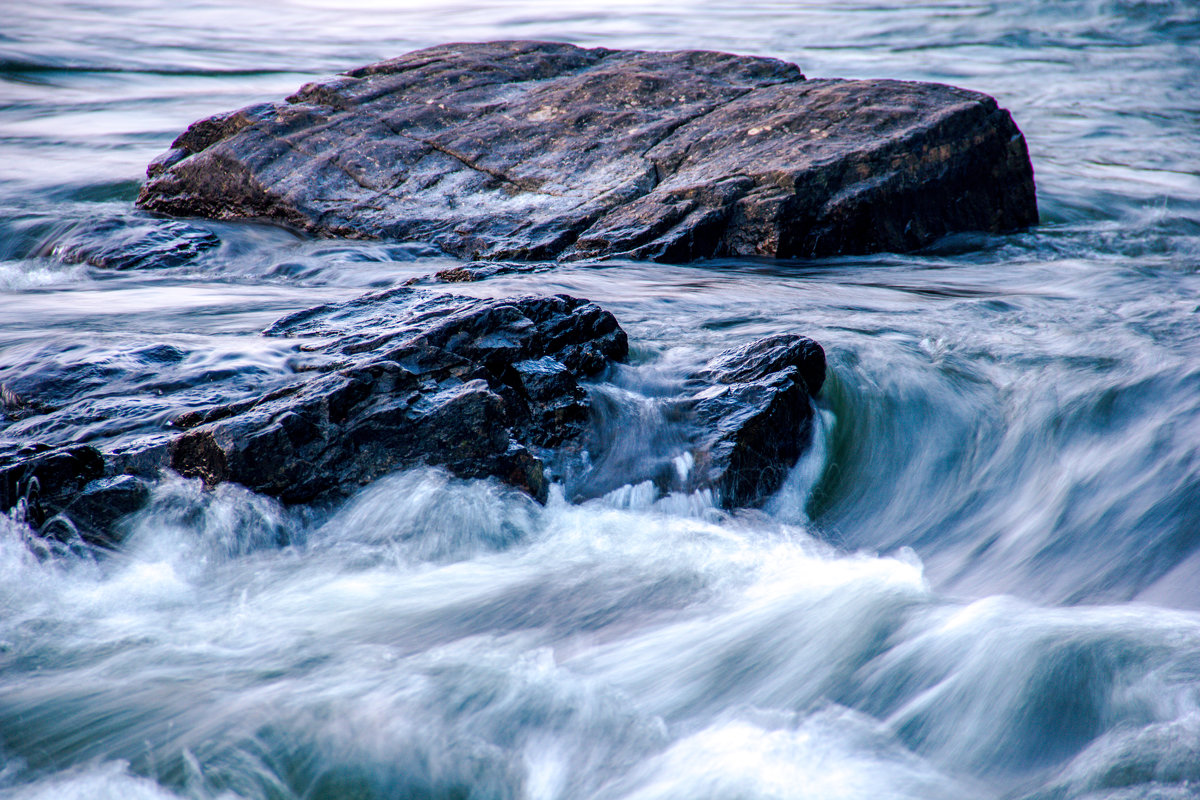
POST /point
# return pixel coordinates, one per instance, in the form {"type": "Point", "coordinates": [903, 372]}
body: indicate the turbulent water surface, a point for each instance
{"type": "Point", "coordinates": [982, 581]}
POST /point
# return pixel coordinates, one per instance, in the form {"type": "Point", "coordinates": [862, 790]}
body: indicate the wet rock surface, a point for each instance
{"type": "Point", "coordinates": [477, 386]}
{"type": "Point", "coordinates": [65, 494]}
{"type": "Point", "coordinates": [122, 243]}
{"type": "Point", "coordinates": [755, 418]}
{"type": "Point", "coordinates": [494, 388]}
{"type": "Point", "coordinates": [538, 151]}
{"type": "Point", "coordinates": [735, 427]}
{"type": "Point", "coordinates": [393, 379]}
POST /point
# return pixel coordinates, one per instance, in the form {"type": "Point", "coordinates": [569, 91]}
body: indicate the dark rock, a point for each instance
{"type": "Point", "coordinates": [197, 455]}
{"type": "Point", "coordinates": [756, 420]}
{"type": "Point", "coordinates": [533, 150]}
{"type": "Point", "coordinates": [762, 357]}
{"type": "Point", "coordinates": [62, 494]}
{"type": "Point", "coordinates": [131, 243]}
{"type": "Point", "coordinates": [480, 387]}
{"type": "Point", "coordinates": [544, 379]}
{"type": "Point", "coordinates": [468, 273]}
{"type": "Point", "coordinates": [41, 483]}
{"type": "Point", "coordinates": [751, 435]}
{"type": "Point", "coordinates": [477, 386]}
{"type": "Point", "coordinates": [736, 426]}
{"type": "Point", "coordinates": [96, 509]}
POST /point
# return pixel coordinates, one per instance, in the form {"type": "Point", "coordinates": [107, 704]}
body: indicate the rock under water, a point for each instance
{"type": "Point", "coordinates": [535, 150]}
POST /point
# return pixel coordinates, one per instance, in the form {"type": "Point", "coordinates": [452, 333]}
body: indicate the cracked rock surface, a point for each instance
{"type": "Point", "coordinates": [483, 388]}
{"type": "Point", "coordinates": [537, 151]}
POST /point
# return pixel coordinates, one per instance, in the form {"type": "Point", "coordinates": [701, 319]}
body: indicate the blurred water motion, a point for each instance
{"type": "Point", "coordinates": [979, 584]}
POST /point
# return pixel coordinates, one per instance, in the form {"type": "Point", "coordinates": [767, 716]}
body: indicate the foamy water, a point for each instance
{"type": "Point", "coordinates": [980, 581]}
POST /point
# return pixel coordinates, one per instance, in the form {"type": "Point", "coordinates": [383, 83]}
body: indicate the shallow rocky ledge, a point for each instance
{"type": "Point", "coordinates": [537, 151]}
{"type": "Point", "coordinates": [481, 387]}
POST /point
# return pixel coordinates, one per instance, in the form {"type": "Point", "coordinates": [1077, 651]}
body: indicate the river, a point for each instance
{"type": "Point", "coordinates": [983, 581]}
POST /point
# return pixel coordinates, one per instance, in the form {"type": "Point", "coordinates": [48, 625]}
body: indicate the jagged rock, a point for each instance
{"type": "Point", "coordinates": [736, 426]}
{"type": "Point", "coordinates": [64, 494]}
{"type": "Point", "coordinates": [762, 357]}
{"type": "Point", "coordinates": [536, 150]}
{"type": "Point", "coordinates": [480, 387]}
{"type": "Point", "coordinates": [94, 511]}
{"type": "Point", "coordinates": [39, 482]}
{"type": "Point", "coordinates": [107, 499]}
{"type": "Point", "coordinates": [756, 420]}
{"type": "Point", "coordinates": [394, 379]}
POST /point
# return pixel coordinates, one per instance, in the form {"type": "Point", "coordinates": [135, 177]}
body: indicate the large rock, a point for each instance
{"type": "Point", "coordinates": [484, 388]}
{"type": "Point", "coordinates": [481, 387]}
{"type": "Point", "coordinates": [393, 379]}
{"type": "Point", "coordinates": [536, 150]}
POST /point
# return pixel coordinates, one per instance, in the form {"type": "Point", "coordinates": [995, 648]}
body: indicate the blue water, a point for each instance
{"type": "Point", "coordinates": [982, 582]}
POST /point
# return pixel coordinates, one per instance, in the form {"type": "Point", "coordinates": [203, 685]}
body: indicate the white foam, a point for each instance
{"type": "Point", "coordinates": [108, 781]}
{"type": "Point", "coordinates": [18, 275]}
{"type": "Point", "coordinates": [693, 654]}
{"type": "Point", "coordinates": [831, 755]}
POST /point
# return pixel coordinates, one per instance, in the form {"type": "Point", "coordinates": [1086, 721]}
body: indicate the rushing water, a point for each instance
{"type": "Point", "coordinates": [980, 583]}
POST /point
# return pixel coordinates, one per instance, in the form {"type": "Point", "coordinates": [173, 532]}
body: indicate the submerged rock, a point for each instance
{"type": "Point", "coordinates": [537, 150]}
{"type": "Point", "coordinates": [13, 406]}
{"type": "Point", "coordinates": [121, 243]}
